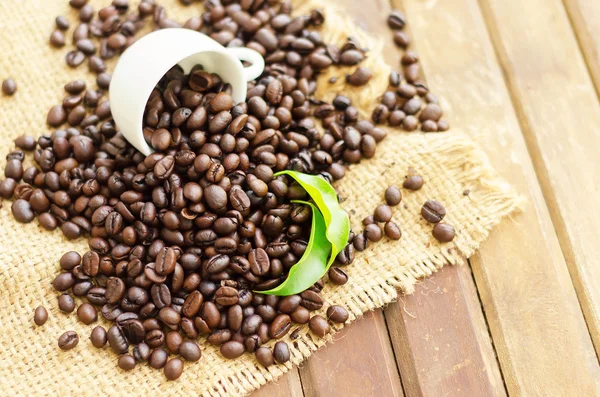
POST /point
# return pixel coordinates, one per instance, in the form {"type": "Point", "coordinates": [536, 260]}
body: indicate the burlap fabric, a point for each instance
{"type": "Point", "coordinates": [30, 361]}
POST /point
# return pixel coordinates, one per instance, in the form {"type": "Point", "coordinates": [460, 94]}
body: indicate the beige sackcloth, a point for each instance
{"type": "Point", "coordinates": [31, 362]}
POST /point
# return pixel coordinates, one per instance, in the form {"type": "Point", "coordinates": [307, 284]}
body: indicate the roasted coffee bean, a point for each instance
{"type": "Point", "coordinates": [40, 316]}
{"type": "Point", "coordinates": [361, 76]}
{"type": "Point", "coordinates": [57, 39]}
{"type": "Point", "coordinates": [141, 352]}
{"type": "Point", "coordinates": [280, 326]}
{"type": "Point", "coordinates": [226, 296]}
{"type": "Point", "coordinates": [169, 316]}
{"type": "Point", "coordinates": [69, 260]}
{"type": "Point", "coordinates": [392, 231]}
{"type": "Point", "coordinates": [281, 352]}
{"type": "Point", "coordinates": [9, 87]}
{"type": "Point", "coordinates": [155, 338]}
{"type": "Point", "coordinates": [259, 261]}
{"type": "Point", "coordinates": [396, 20]}
{"type": "Point", "coordinates": [190, 351]}
{"type": "Point", "coordinates": [64, 281]}
{"type": "Point", "coordinates": [382, 213]}
{"type": "Point", "coordinates": [264, 356]}
{"type": "Point", "coordinates": [337, 314]}
{"type": "Point", "coordinates": [318, 325]}
{"type": "Point", "coordinates": [373, 233]}
{"type": "Point", "coordinates": [158, 358]}
{"type": "Point", "coordinates": [126, 362]}
{"type": "Point", "coordinates": [66, 303]}
{"type": "Point", "coordinates": [433, 211]}
{"type": "Point", "coordinates": [99, 337]}
{"type": "Point", "coordinates": [87, 313]}
{"type": "Point", "coordinates": [337, 276]}
{"type": "Point", "coordinates": [22, 211]}
{"type": "Point", "coordinates": [192, 304]}
{"type": "Point", "coordinates": [401, 39]}
{"type": "Point", "coordinates": [232, 349]}
{"type": "Point", "coordinates": [311, 300]}
{"type": "Point", "coordinates": [443, 232]}
{"type": "Point", "coordinates": [173, 341]}
{"type": "Point", "coordinates": [251, 324]}
{"type": "Point", "coordinates": [173, 369]}
{"type": "Point", "coordinates": [68, 340]}
{"type": "Point", "coordinates": [115, 289]}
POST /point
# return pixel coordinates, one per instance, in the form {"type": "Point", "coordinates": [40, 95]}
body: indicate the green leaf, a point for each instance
{"type": "Point", "coordinates": [325, 197]}
{"type": "Point", "coordinates": [313, 264]}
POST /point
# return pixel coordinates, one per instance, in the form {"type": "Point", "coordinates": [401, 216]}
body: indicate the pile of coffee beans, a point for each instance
{"type": "Point", "coordinates": [181, 240]}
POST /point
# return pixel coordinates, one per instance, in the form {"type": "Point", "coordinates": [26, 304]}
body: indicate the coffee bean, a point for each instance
{"type": "Point", "coordinates": [401, 39]}
{"type": "Point", "coordinates": [393, 195]}
{"type": "Point", "coordinates": [443, 232]}
{"type": "Point", "coordinates": [68, 340]}
{"type": "Point", "coordinates": [126, 362]}
{"type": "Point", "coordinates": [173, 369]}
{"type": "Point", "coordinates": [373, 233]}
{"type": "Point", "coordinates": [41, 316]}
{"type": "Point", "coordinates": [99, 337]}
{"type": "Point", "coordinates": [62, 23]}
{"type": "Point", "coordinates": [396, 20]}
{"type": "Point", "coordinates": [190, 351]}
{"type": "Point", "coordinates": [170, 317]}
{"type": "Point", "coordinates": [259, 261]}
{"type": "Point", "coordinates": [382, 213]}
{"type": "Point", "coordinates": [115, 289]}
{"type": "Point", "coordinates": [66, 303]}
{"type": "Point", "coordinates": [232, 349]}
{"type": "Point", "coordinates": [413, 182]}
{"type": "Point", "coordinates": [392, 231]}
{"type": "Point", "coordinates": [87, 313]}
{"type": "Point", "coordinates": [192, 304]}
{"type": "Point", "coordinates": [57, 39]}
{"type": "Point", "coordinates": [280, 326]}
{"type": "Point", "coordinates": [173, 341]}
{"type": "Point", "coordinates": [337, 314]}
{"type": "Point", "coordinates": [264, 356]}
{"type": "Point", "coordinates": [281, 352]}
{"type": "Point", "coordinates": [337, 276]}
{"type": "Point", "coordinates": [318, 325]}
{"type": "Point", "coordinates": [9, 87]}
{"type": "Point", "coordinates": [158, 358]}
{"type": "Point", "coordinates": [433, 211]}
{"type": "Point", "coordinates": [75, 58]}
{"type": "Point", "coordinates": [311, 300]}
{"type": "Point", "coordinates": [22, 211]}
{"type": "Point", "coordinates": [117, 340]}
{"type": "Point", "coordinates": [410, 123]}
{"type": "Point", "coordinates": [141, 352]}
{"type": "Point", "coordinates": [359, 77]}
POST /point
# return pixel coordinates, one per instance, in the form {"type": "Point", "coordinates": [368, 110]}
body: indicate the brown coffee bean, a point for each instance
{"type": "Point", "coordinates": [75, 58]}
{"type": "Point", "coordinates": [413, 182]}
{"type": "Point", "coordinates": [232, 349]}
{"type": "Point", "coordinates": [429, 126]}
{"type": "Point", "coordinates": [99, 337]}
{"type": "Point", "coordinates": [41, 316]}
{"type": "Point", "coordinates": [393, 195]}
{"type": "Point", "coordinates": [280, 326]}
{"type": "Point", "coordinates": [9, 87]}
{"type": "Point", "coordinates": [66, 303]}
{"type": "Point", "coordinates": [410, 123]}
{"type": "Point", "coordinates": [443, 232]}
{"type": "Point", "coordinates": [190, 351]}
{"type": "Point", "coordinates": [337, 314]}
{"type": "Point", "coordinates": [87, 313]}
{"type": "Point", "coordinates": [22, 211]}
{"type": "Point", "coordinates": [392, 231]}
{"type": "Point", "coordinates": [396, 20]}
{"type": "Point", "coordinates": [337, 276]}
{"type": "Point", "coordinates": [433, 211]}
{"type": "Point", "coordinates": [126, 362]}
{"type": "Point", "coordinates": [57, 39]}
{"type": "Point", "coordinates": [68, 340]}
{"type": "Point", "coordinates": [264, 356]}
{"type": "Point", "coordinates": [401, 39]}
{"type": "Point", "coordinates": [281, 352]}
{"type": "Point", "coordinates": [373, 233]}
{"type": "Point", "coordinates": [311, 300]}
{"type": "Point", "coordinates": [383, 213]}
{"type": "Point", "coordinates": [318, 325]}
{"type": "Point", "coordinates": [361, 76]}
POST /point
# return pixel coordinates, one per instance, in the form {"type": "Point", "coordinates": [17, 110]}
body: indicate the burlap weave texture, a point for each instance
{"type": "Point", "coordinates": [30, 361]}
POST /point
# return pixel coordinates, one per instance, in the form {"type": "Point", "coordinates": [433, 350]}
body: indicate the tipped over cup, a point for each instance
{"type": "Point", "coordinates": [142, 65]}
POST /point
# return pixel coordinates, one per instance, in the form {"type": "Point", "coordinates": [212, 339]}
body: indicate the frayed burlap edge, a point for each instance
{"type": "Point", "coordinates": [450, 164]}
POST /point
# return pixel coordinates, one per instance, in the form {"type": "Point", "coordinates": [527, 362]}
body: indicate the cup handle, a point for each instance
{"type": "Point", "coordinates": [254, 58]}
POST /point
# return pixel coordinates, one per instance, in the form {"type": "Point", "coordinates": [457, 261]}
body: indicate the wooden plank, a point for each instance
{"type": "Point", "coordinates": [441, 340]}
{"type": "Point", "coordinates": [560, 116]}
{"type": "Point", "coordinates": [360, 363]}
{"type": "Point", "coordinates": [563, 143]}
{"type": "Point", "coordinates": [469, 366]}
{"type": "Point", "coordinates": [521, 274]}
{"type": "Point", "coordinates": [288, 385]}
{"type": "Point", "coordinates": [585, 21]}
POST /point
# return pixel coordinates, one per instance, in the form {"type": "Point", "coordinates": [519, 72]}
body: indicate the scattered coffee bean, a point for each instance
{"type": "Point", "coordinates": [126, 362]}
{"type": "Point", "coordinates": [361, 76]}
{"type": "Point", "coordinates": [158, 358]}
{"type": "Point", "coordinates": [383, 213]}
{"type": "Point", "coordinates": [318, 325]}
{"type": "Point", "coordinates": [392, 231]}
{"type": "Point", "coordinates": [41, 316]}
{"type": "Point", "coordinates": [393, 195]}
{"type": "Point", "coordinates": [68, 340]}
{"type": "Point", "coordinates": [413, 182]}
{"type": "Point", "coordinates": [232, 349]}
{"type": "Point", "coordinates": [87, 313]}
{"type": "Point", "coordinates": [433, 211]}
{"type": "Point", "coordinates": [173, 369]}
{"type": "Point", "coordinates": [337, 276]}
{"type": "Point", "coordinates": [264, 356]}
{"type": "Point", "coordinates": [373, 233]}
{"type": "Point", "coordinates": [443, 232]}
{"type": "Point", "coordinates": [9, 87]}
{"type": "Point", "coordinates": [396, 20]}
{"type": "Point", "coordinates": [281, 352]}
{"type": "Point", "coordinates": [190, 351]}
{"type": "Point", "coordinates": [337, 314]}
{"type": "Point", "coordinates": [66, 303]}
{"type": "Point", "coordinates": [98, 337]}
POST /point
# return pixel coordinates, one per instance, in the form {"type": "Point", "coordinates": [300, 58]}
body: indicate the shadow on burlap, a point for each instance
{"type": "Point", "coordinates": [32, 364]}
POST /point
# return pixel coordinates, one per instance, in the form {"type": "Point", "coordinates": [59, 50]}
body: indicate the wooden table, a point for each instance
{"type": "Point", "coordinates": [522, 317]}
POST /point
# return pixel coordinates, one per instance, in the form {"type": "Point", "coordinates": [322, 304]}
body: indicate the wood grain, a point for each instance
{"type": "Point", "coordinates": [359, 363]}
{"type": "Point", "coordinates": [441, 340]}
{"type": "Point", "coordinates": [520, 272]}
{"type": "Point", "coordinates": [560, 116]}
{"type": "Point", "coordinates": [289, 385]}
{"type": "Point", "coordinates": [585, 21]}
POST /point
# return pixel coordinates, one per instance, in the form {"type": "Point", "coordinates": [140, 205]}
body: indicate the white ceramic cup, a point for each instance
{"type": "Point", "coordinates": [143, 64]}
